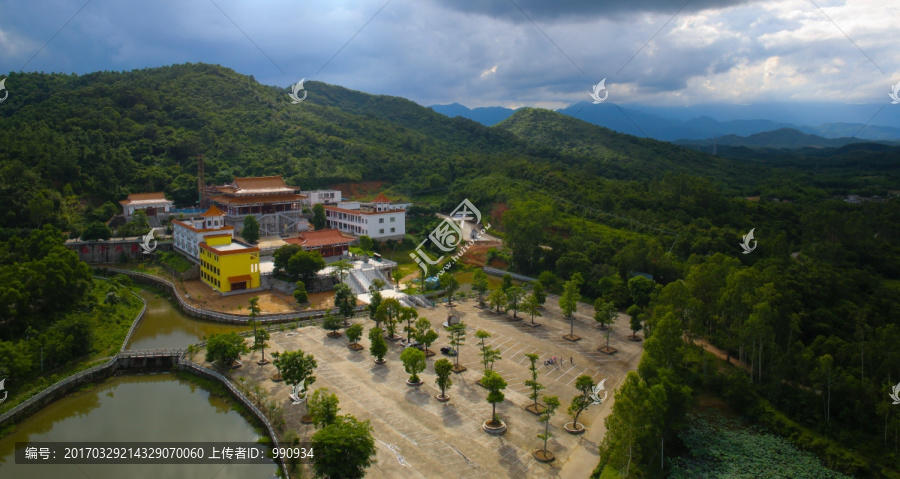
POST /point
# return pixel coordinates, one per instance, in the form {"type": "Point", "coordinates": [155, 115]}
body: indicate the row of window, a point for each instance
{"type": "Point", "coordinates": [381, 230]}
{"type": "Point", "coordinates": [393, 218]}
{"type": "Point", "coordinates": [210, 279]}
{"type": "Point", "coordinates": [204, 264]}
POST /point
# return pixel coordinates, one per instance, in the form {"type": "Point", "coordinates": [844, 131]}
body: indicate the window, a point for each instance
{"type": "Point", "coordinates": [381, 220]}
{"type": "Point", "coordinates": [381, 231]}
{"type": "Point", "coordinates": [393, 229]}
{"type": "Point", "coordinates": [393, 219]}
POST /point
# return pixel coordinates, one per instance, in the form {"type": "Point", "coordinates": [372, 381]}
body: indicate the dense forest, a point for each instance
{"type": "Point", "coordinates": [812, 312]}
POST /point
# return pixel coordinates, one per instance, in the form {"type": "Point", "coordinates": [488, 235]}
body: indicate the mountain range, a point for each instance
{"type": "Point", "coordinates": [650, 122]}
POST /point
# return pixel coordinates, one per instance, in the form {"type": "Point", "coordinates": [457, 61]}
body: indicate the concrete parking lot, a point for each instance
{"type": "Point", "coordinates": [417, 436]}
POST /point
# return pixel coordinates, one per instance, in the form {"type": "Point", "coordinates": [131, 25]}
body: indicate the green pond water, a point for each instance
{"type": "Point", "coordinates": [165, 326]}
{"type": "Point", "coordinates": [140, 408]}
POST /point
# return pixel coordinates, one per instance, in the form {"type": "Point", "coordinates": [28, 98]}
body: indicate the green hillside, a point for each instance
{"type": "Point", "coordinates": [569, 199]}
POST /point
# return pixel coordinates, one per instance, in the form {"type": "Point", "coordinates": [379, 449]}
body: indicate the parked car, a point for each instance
{"type": "Point", "coordinates": [448, 351]}
{"type": "Point", "coordinates": [412, 344]}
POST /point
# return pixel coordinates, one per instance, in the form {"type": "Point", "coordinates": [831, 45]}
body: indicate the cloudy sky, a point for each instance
{"type": "Point", "coordinates": [513, 53]}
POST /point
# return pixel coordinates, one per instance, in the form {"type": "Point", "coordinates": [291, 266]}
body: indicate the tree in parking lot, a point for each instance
{"type": "Point", "coordinates": [533, 384]}
{"type": "Point", "coordinates": [388, 313]}
{"type": "Point", "coordinates": [259, 343]}
{"type": "Point", "coordinates": [323, 408]}
{"type": "Point", "coordinates": [457, 339]}
{"type": "Point", "coordinates": [537, 290]}
{"type": "Point", "coordinates": [225, 348]}
{"type": "Point", "coordinates": [442, 369]}
{"type": "Point", "coordinates": [513, 298]}
{"type": "Point", "coordinates": [355, 332]}
{"type": "Point", "coordinates": [408, 314]}
{"type": "Point", "coordinates": [332, 323]}
{"type": "Point", "coordinates": [344, 300]}
{"type": "Point", "coordinates": [424, 333]}
{"type": "Point", "coordinates": [495, 386]}
{"type": "Point", "coordinates": [497, 298]}
{"type": "Point", "coordinates": [413, 362]}
{"type": "Point", "coordinates": [378, 348]}
{"type": "Point", "coordinates": [531, 307]}
{"type": "Point", "coordinates": [552, 403]}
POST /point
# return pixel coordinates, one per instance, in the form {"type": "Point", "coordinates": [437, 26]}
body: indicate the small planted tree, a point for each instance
{"type": "Point", "coordinates": [532, 308]}
{"type": "Point", "coordinates": [425, 335]}
{"type": "Point", "coordinates": [514, 297]}
{"type": "Point", "coordinates": [397, 275]}
{"type": "Point", "coordinates": [379, 347]}
{"type": "Point", "coordinates": [343, 449]}
{"type": "Point", "coordinates": [497, 298]}
{"type": "Point", "coordinates": [443, 368]}
{"type": "Point", "coordinates": [580, 402]}
{"type": "Point", "coordinates": [604, 313]}
{"type": "Point", "coordinates": [534, 385]}
{"type": "Point", "coordinates": [225, 349]}
{"type": "Point", "coordinates": [340, 266]}
{"type": "Point", "coordinates": [450, 285]}
{"type": "Point", "coordinates": [409, 315]}
{"type": "Point", "coordinates": [568, 303]}
{"type": "Point", "coordinates": [332, 323]}
{"type": "Point", "coordinates": [323, 408]}
{"type": "Point", "coordinates": [259, 344]}
{"type": "Point", "coordinates": [495, 384]}
{"type": "Point", "coordinates": [552, 402]}
{"type": "Point", "coordinates": [354, 332]}
{"type": "Point", "coordinates": [375, 299]}
{"type": "Point", "coordinates": [296, 368]}
{"type": "Point", "coordinates": [414, 363]}
{"type": "Point", "coordinates": [634, 312]}
{"type": "Point", "coordinates": [457, 339]}
{"type": "Point", "coordinates": [344, 300]}
{"type": "Point", "coordinates": [300, 294]}
{"type": "Point", "coordinates": [254, 313]}
{"type": "Point", "coordinates": [480, 284]}
{"type": "Point", "coordinates": [388, 313]}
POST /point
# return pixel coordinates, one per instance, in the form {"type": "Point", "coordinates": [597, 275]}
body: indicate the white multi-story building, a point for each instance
{"type": "Point", "coordinates": [189, 233]}
{"type": "Point", "coordinates": [380, 220]}
{"type": "Point", "coordinates": [321, 197]}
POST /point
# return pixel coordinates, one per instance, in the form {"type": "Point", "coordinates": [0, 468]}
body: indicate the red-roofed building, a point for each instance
{"type": "Point", "coordinates": [275, 205]}
{"type": "Point", "coordinates": [151, 203]}
{"type": "Point", "coordinates": [330, 242]}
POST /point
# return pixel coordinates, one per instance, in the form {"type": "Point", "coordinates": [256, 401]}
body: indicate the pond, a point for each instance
{"type": "Point", "coordinates": [156, 407]}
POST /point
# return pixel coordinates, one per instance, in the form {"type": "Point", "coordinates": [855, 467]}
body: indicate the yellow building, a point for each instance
{"type": "Point", "coordinates": [227, 265]}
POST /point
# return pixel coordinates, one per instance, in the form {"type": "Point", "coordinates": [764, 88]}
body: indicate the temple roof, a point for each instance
{"type": "Point", "coordinates": [261, 185]}
{"type": "Point", "coordinates": [313, 239]}
{"type": "Point", "coordinates": [249, 200]}
{"type": "Point", "coordinates": [145, 198]}
{"type": "Point", "coordinates": [381, 199]}
{"type": "Point", "coordinates": [212, 211]}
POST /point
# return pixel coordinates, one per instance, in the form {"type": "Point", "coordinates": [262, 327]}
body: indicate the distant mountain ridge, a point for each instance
{"type": "Point", "coordinates": [782, 138]}
{"type": "Point", "coordinates": [639, 122]}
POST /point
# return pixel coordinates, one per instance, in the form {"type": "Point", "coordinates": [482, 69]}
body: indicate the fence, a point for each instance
{"type": "Point", "coordinates": [218, 316]}
{"type": "Point", "coordinates": [192, 367]}
{"type": "Point", "coordinates": [500, 272]}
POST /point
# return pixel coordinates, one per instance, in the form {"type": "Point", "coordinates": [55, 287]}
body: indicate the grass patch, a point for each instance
{"type": "Point", "coordinates": [175, 261]}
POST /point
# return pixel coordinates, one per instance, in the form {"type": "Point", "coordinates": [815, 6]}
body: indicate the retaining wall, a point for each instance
{"type": "Point", "coordinates": [219, 316]}
{"type": "Point", "coordinates": [500, 272]}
